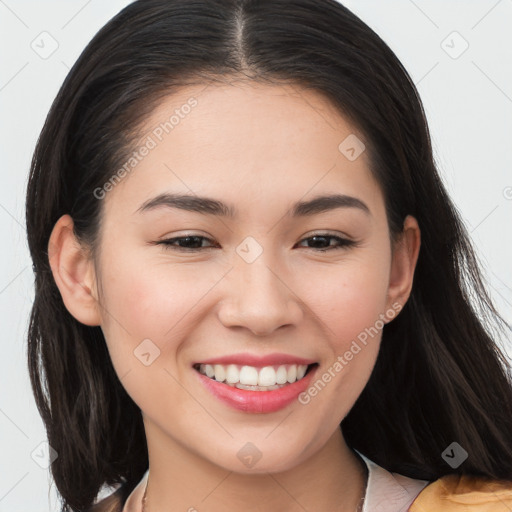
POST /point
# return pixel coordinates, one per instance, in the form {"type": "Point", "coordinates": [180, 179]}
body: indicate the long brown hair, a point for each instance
{"type": "Point", "coordinates": [439, 377]}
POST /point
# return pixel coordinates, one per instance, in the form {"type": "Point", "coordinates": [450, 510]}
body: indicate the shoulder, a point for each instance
{"type": "Point", "coordinates": [464, 493]}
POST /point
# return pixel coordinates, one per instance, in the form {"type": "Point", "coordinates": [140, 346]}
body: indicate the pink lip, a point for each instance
{"type": "Point", "coordinates": [258, 361]}
{"type": "Point", "coordinates": [257, 401]}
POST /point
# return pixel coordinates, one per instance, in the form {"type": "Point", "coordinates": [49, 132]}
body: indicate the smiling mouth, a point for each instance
{"type": "Point", "coordinates": [250, 378]}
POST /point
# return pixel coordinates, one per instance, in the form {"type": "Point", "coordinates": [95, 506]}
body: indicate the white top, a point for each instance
{"type": "Point", "coordinates": [389, 492]}
{"type": "Point", "coordinates": [385, 491]}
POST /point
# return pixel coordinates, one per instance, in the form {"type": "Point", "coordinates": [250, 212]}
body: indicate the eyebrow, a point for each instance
{"type": "Point", "coordinates": [209, 206]}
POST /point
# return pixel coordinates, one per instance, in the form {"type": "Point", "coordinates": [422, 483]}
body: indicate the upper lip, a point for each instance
{"type": "Point", "coordinates": [255, 360]}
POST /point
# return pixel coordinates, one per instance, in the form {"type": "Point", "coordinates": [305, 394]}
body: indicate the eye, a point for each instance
{"type": "Point", "coordinates": [321, 242]}
{"type": "Point", "coordinates": [186, 243]}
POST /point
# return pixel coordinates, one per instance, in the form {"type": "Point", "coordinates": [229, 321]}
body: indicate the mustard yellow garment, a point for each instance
{"type": "Point", "coordinates": [463, 493]}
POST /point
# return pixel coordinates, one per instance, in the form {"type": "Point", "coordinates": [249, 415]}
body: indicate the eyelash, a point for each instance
{"type": "Point", "coordinates": [343, 243]}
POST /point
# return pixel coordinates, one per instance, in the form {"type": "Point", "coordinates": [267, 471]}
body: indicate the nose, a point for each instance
{"type": "Point", "coordinates": [258, 298]}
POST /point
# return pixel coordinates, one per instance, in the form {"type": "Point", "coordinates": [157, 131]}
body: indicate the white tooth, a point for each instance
{"type": "Point", "coordinates": [220, 374]}
{"type": "Point", "coordinates": [249, 376]}
{"type": "Point", "coordinates": [292, 373]}
{"type": "Point", "coordinates": [301, 370]}
{"type": "Point", "coordinates": [281, 375]}
{"type": "Point", "coordinates": [208, 368]}
{"type": "Point", "coordinates": [232, 374]}
{"type": "Point", "coordinates": [267, 376]}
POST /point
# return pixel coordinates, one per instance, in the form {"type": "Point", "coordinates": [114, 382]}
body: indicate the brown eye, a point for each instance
{"type": "Point", "coordinates": [185, 243]}
{"type": "Point", "coordinates": [322, 242]}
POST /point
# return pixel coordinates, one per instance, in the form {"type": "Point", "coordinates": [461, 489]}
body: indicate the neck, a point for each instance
{"type": "Point", "coordinates": [333, 479]}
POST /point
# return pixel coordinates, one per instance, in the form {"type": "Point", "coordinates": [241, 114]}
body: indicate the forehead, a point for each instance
{"type": "Point", "coordinates": [245, 142]}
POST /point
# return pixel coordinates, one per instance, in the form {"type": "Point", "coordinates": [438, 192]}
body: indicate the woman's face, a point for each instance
{"type": "Point", "coordinates": [253, 283]}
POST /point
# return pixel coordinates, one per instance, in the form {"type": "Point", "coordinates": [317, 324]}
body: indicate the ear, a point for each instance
{"type": "Point", "coordinates": [405, 255]}
{"type": "Point", "coordinates": [73, 272]}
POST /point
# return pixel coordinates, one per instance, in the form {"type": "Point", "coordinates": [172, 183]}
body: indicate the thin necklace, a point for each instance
{"type": "Point", "coordinates": [361, 503]}
{"type": "Point", "coordinates": [359, 508]}
{"type": "Point", "coordinates": [145, 497]}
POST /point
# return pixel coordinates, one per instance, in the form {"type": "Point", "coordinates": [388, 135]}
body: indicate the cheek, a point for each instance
{"type": "Point", "coordinates": [347, 300]}
{"type": "Point", "coordinates": [348, 297]}
{"type": "Point", "coordinates": [147, 312]}
{"type": "Point", "coordinates": [154, 300]}
{"type": "Point", "coordinates": [147, 304]}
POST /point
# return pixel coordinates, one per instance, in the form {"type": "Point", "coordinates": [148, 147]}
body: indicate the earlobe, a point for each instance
{"type": "Point", "coordinates": [73, 272]}
{"type": "Point", "coordinates": [403, 265]}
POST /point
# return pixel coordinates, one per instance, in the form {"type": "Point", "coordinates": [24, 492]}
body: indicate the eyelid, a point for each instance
{"type": "Point", "coordinates": [337, 234]}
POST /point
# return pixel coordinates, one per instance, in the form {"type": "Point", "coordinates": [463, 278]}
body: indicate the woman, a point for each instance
{"type": "Point", "coordinates": [250, 281]}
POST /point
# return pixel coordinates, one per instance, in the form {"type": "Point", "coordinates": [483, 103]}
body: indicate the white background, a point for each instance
{"type": "Point", "coordinates": [468, 101]}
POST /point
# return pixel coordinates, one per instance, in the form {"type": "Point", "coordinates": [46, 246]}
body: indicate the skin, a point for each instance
{"type": "Point", "coordinates": [258, 148]}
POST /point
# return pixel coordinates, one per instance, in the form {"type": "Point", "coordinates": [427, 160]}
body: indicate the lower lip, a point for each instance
{"type": "Point", "coordinates": [257, 401]}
